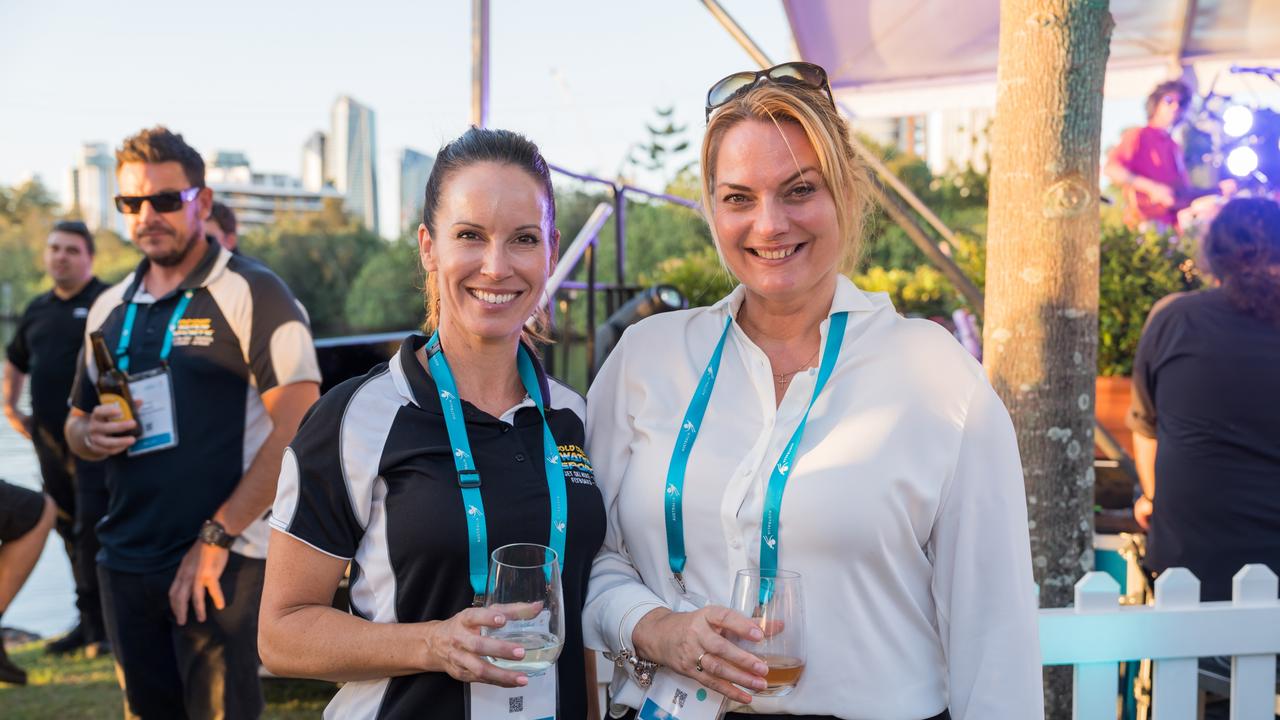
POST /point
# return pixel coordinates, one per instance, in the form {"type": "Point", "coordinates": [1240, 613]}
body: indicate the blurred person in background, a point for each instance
{"type": "Point", "coordinates": [222, 226]}
{"type": "Point", "coordinates": [26, 517]}
{"type": "Point", "coordinates": [1206, 413]}
{"type": "Point", "coordinates": [46, 348]}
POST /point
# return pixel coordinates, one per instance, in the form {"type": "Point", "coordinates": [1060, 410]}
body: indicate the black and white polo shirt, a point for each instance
{"type": "Point", "coordinates": [370, 478]}
{"type": "Point", "coordinates": [242, 334]}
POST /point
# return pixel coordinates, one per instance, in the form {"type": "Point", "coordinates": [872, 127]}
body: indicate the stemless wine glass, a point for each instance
{"type": "Point", "coordinates": [781, 619]}
{"type": "Point", "coordinates": [524, 585]}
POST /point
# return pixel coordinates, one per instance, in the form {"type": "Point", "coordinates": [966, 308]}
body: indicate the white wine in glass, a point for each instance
{"type": "Point", "coordinates": [524, 585]}
{"type": "Point", "coordinates": [779, 612]}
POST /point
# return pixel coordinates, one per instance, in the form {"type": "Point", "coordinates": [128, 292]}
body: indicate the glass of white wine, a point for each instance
{"type": "Point", "coordinates": [779, 613]}
{"type": "Point", "coordinates": [524, 585]}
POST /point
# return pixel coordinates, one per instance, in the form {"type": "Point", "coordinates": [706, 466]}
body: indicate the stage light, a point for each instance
{"type": "Point", "coordinates": [1242, 161]}
{"type": "Point", "coordinates": [1237, 120]}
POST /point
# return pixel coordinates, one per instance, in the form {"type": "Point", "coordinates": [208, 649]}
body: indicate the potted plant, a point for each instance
{"type": "Point", "coordinates": [1136, 270]}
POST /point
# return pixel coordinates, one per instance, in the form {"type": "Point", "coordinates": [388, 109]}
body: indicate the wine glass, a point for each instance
{"type": "Point", "coordinates": [779, 613]}
{"type": "Point", "coordinates": [524, 586]}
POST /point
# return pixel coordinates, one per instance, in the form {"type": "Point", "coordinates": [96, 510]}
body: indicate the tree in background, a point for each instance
{"type": "Point", "coordinates": [1041, 330]}
{"type": "Point", "coordinates": [319, 256]}
{"type": "Point", "coordinates": [387, 294]}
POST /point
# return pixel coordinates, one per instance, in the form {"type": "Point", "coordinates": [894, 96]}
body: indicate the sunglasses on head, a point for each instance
{"type": "Point", "coordinates": [792, 73]}
{"type": "Point", "coordinates": [165, 202]}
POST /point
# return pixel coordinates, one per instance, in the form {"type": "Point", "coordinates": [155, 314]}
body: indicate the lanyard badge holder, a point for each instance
{"type": "Point", "coordinates": [673, 696]}
{"type": "Point", "coordinates": [153, 389]}
{"type": "Point", "coordinates": [537, 700]}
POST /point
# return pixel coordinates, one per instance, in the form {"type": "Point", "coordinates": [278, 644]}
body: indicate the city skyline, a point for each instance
{"type": "Point", "coordinates": [580, 81]}
{"type": "Point", "coordinates": [415, 168]}
{"type": "Point", "coordinates": [351, 158]}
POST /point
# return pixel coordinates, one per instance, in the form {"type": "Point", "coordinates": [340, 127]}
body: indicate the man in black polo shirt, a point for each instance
{"type": "Point", "coordinates": [221, 358]}
{"type": "Point", "coordinates": [46, 347]}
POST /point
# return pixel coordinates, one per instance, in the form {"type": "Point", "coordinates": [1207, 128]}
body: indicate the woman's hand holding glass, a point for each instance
{"type": "Point", "coordinates": [695, 645]}
{"type": "Point", "coordinates": [456, 646]}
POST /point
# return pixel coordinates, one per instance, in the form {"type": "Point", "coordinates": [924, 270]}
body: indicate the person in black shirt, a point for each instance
{"type": "Point", "coordinates": [26, 517]}
{"type": "Point", "coordinates": [45, 348]}
{"type": "Point", "coordinates": [371, 479]}
{"type": "Point", "coordinates": [1206, 409]}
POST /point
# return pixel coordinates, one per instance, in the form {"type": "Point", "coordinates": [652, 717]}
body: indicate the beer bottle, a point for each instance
{"type": "Point", "coordinates": [113, 385]}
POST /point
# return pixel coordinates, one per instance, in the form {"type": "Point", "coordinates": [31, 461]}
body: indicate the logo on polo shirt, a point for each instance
{"type": "Point", "coordinates": [577, 467]}
{"type": "Point", "coordinates": [194, 332]}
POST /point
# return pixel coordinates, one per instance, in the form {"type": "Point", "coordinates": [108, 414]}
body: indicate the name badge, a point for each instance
{"type": "Point", "coordinates": [153, 393]}
{"type": "Point", "coordinates": [672, 696]}
{"type": "Point", "coordinates": [535, 701]}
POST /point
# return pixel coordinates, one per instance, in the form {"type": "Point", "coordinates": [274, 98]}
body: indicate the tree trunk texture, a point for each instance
{"type": "Point", "coordinates": [1041, 329]}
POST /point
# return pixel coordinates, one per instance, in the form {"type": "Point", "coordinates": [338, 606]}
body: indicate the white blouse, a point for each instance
{"type": "Point", "coordinates": [904, 514]}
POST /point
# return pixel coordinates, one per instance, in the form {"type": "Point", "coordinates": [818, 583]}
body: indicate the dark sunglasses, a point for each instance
{"type": "Point", "coordinates": [792, 73]}
{"type": "Point", "coordinates": [165, 202]}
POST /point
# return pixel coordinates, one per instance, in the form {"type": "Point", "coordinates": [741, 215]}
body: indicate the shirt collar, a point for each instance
{"type": "Point", "coordinates": [848, 298]}
{"type": "Point", "coordinates": [420, 388]}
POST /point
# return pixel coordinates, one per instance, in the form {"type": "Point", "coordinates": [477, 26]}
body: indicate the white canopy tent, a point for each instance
{"type": "Point", "coordinates": [894, 58]}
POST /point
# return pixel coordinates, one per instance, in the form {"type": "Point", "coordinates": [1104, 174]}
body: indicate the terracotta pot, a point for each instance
{"type": "Point", "coordinates": [1112, 404]}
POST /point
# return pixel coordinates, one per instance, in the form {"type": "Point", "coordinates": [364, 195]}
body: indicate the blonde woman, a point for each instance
{"type": "Point", "coordinates": [904, 506]}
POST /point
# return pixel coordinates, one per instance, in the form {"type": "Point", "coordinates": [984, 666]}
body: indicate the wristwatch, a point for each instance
{"type": "Point", "coordinates": [212, 533]}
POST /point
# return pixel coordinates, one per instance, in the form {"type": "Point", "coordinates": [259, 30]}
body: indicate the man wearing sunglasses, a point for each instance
{"type": "Point", "coordinates": [221, 369]}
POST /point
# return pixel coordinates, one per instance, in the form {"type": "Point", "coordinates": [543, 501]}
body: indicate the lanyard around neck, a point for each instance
{"type": "Point", "coordinates": [469, 477]}
{"type": "Point", "coordinates": [126, 331]}
{"type": "Point", "coordinates": [676, 556]}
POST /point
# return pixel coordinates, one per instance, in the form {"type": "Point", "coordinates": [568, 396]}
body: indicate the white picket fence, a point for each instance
{"type": "Point", "coordinates": [1098, 634]}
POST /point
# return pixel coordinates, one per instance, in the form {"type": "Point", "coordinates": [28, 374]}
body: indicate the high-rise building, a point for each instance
{"type": "Point", "coordinates": [91, 188]}
{"type": "Point", "coordinates": [258, 199]}
{"type": "Point", "coordinates": [352, 153]}
{"type": "Point", "coordinates": [314, 167]}
{"type": "Point", "coordinates": [415, 168]}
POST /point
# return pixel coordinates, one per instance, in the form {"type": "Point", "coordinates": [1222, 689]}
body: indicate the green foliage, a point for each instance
{"type": "Point", "coordinates": [698, 275]}
{"type": "Point", "coordinates": [319, 257]}
{"type": "Point", "coordinates": [388, 293]}
{"type": "Point", "coordinates": [72, 686]}
{"type": "Point", "coordinates": [1137, 269]}
{"type": "Point", "coordinates": [920, 291]}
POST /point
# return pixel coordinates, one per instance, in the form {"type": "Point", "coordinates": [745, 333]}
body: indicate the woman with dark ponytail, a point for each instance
{"type": "Point", "coordinates": [373, 478]}
{"type": "Point", "coordinates": [1206, 408]}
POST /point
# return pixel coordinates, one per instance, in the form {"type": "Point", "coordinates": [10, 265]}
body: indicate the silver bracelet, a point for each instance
{"type": "Point", "coordinates": [642, 670]}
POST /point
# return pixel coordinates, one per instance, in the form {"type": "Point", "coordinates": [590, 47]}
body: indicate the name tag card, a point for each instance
{"type": "Point", "coordinates": [535, 701]}
{"type": "Point", "coordinates": [153, 394]}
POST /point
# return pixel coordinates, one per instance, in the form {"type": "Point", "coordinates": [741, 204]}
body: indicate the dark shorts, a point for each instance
{"type": "Point", "coordinates": [20, 511]}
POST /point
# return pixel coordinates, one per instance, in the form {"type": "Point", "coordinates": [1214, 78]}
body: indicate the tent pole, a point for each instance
{"type": "Point", "coordinates": [480, 63]}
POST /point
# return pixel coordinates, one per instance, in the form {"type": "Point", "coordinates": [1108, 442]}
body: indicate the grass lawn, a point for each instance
{"type": "Point", "coordinates": [72, 688]}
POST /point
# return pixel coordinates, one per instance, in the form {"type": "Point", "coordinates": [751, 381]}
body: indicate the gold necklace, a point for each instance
{"type": "Point", "coordinates": [782, 378]}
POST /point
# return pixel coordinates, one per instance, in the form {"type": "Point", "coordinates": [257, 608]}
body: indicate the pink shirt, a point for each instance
{"type": "Point", "coordinates": [1152, 153]}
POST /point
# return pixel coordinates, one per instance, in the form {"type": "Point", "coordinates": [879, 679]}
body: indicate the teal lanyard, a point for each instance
{"type": "Point", "coordinates": [126, 332]}
{"type": "Point", "coordinates": [469, 477]}
{"type": "Point", "coordinates": [770, 524]}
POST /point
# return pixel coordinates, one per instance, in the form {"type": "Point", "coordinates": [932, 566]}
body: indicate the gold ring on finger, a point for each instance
{"type": "Point", "coordinates": [698, 665]}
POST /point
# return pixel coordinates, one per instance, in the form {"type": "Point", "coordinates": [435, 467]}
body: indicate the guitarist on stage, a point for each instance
{"type": "Point", "coordinates": [1148, 164]}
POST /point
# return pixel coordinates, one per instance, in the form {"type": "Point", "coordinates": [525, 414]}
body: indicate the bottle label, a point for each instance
{"type": "Point", "coordinates": [126, 413]}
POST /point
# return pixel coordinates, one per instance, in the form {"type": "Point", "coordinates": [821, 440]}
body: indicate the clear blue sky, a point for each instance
{"type": "Point", "coordinates": [580, 77]}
